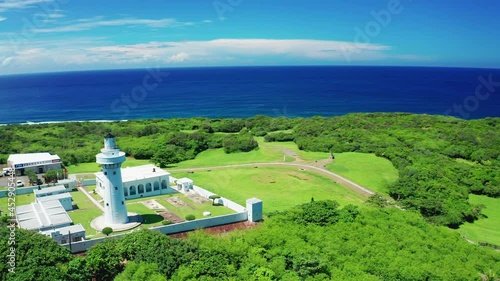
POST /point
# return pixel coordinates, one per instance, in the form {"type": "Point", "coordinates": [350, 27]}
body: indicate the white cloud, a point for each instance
{"type": "Point", "coordinates": [90, 23]}
{"type": "Point", "coordinates": [6, 61]}
{"type": "Point", "coordinates": [56, 15]}
{"type": "Point", "coordinates": [19, 4]}
{"type": "Point", "coordinates": [84, 54]}
{"type": "Point", "coordinates": [180, 57]}
{"type": "Point", "coordinates": [2, 18]}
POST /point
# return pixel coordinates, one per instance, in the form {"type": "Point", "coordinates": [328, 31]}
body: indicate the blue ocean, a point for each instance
{"type": "Point", "coordinates": [247, 91]}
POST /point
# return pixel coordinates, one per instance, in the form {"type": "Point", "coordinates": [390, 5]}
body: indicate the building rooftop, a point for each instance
{"type": "Point", "coordinates": [138, 173]}
{"type": "Point", "coordinates": [184, 180]}
{"type": "Point", "coordinates": [66, 181]}
{"type": "Point", "coordinates": [42, 215]}
{"type": "Point", "coordinates": [28, 158]}
{"type": "Point", "coordinates": [253, 200]}
{"type": "Point", "coordinates": [54, 197]}
{"type": "Point", "coordinates": [65, 230]}
{"type": "Point", "coordinates": [52, 189]}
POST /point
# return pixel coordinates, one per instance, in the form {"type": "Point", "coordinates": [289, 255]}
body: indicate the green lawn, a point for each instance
{"type": "Point", "coordinates": [267, 152]}
{"type": "Point", "coordinates": [278, 187]}
{"type": "Point", "coordinates": [485, 229]}
{"type": "Point", "coordinates": [85, 213]}
{"type": "Point", "coordinates": [85, 216]}
{"type": "Point", "coordinates": [19, 199]}
{"type": "Point", "coordinates": [195, 208]}
{"type": "Point", "coordinates": [289, 145]}
{"type": "Point", "coordinates": [217, 157]}
{"type": "Point", "coordinates": [150, 217]}
{"type": "Point", "coordinates": [375, 173]}
{"type": "Point", "coordinates": [94, 167]}
{"type": "Point", "coordinates": [90, 189]}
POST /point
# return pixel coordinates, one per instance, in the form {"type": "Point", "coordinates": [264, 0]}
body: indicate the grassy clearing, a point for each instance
{"type": "Point", "coordinates": [267, 152]}
{"type": "Point", "coordinates": [485, 229]}
{"type": "Point", "coordinates": [195, 209]}
{"type": "Point", "coordinates": [19, 200]}
{"type": "Point", "coordinates": [149, 216]}
{"type": "Point", "coordinates": [278, 187]}
{"type": "Point", "coordinates": [368, 170]}
{"type": "Point", "coordinates": [217, 157]}
{"type": "Point", "coordinates": [86, 211]}
{"type": "Point", "coordinates": [288, 145]}
{"type": "Point", "coordinates": [94, 167]}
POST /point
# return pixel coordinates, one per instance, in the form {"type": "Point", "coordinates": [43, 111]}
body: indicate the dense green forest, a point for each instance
{"type": "Point", "coordinates": [312, 241]}
{"type": "Point", "coordinates": [441, 160]}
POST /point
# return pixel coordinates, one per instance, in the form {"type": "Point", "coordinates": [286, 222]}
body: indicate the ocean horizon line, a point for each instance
{"type": "Point", "coordinates": [247, 66]}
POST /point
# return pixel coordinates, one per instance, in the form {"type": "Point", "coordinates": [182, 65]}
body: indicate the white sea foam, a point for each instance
{"type": "Point", "coordinates": [69, 121]}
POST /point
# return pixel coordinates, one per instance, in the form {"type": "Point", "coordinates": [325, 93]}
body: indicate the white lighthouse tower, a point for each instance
{"type": "Point", "coordinates": [111, 159]}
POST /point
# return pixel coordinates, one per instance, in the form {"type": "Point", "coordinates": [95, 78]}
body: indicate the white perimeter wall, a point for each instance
{"type": "Point", "coordinates": [26, 190]}
{"type": "Point", "coordinates": [82, 246]}
{"type": "Point", "coordinates": [241, 215]}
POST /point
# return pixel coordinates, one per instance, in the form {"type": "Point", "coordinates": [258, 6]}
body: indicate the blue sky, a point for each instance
{"type": "Point", "coordinates": [65, 35]}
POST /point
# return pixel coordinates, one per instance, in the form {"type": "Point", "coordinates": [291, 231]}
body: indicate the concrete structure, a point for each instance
{"type": "Point", "coordinates": [62, 234]}
{"type": "Point", "coordinates": [48, 191]}
{"type": "Point", "coordinates": [42, 216]}
{"type": "Point", "coordinates": [111, 159]}
{"type": "Point", "coordinates": [65, 199]}
{"type": "Point", "coordinates": [36, 162]}
{"type": "Point", "coordinates": [141, 181]}
{"type": "Point", "coordinates": [254, 209]}
{"type": "Point", "coordinates": [184, 184]}
{"type": "Point", "coordinates": [68, 183]}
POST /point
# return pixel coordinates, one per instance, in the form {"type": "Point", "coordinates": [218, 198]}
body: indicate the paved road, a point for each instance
{"type": "Point", "coordinates": [337, 178]}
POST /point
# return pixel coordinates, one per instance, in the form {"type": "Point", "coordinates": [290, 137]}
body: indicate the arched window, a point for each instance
{"type": "Point", "coordinates": [132, 190]}
{"type": "Point", "coordinates": [164, 184]}
{"type": "Point", "coordinates": [148, 187]}
{"type": "Point", "coordinates": [156, 185]}
{"type": "Point", "coordinates": [141, 188]}
{"type": "Point", "coordinates": [125, 192]}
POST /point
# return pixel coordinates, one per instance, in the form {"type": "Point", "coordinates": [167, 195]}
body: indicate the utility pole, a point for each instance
{"type": "Point", "coordinates": [69, 237]}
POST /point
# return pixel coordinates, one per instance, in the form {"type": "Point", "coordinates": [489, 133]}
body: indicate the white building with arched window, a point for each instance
{"type": "Point", "coordinates": [141, 181]}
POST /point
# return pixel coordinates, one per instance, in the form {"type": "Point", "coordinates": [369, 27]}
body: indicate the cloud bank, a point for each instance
{"type": "Point", "coordinates": [58, 55]}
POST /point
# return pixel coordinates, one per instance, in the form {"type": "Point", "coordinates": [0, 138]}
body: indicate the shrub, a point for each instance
{"type": "Point", "coordinates": [190, 217]}
{"type": "Point", "coordinates": [167, 222]}
{"type": "Point", "coordinates": [107, 231]}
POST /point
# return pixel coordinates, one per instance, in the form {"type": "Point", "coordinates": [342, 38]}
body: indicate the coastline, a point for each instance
{"type": "Point", "coordinates": [68, 121]}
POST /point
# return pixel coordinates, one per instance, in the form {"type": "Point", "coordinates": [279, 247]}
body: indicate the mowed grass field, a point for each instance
{"type": "Point", "coordinates": [375, 173]}
{"type": "Point", "coordinates": [85, 211]}
{"type": "Point", "coordinates": [279, 188]}
{"type": "Point", "coordinates": [485, 229]}
{"type": "Point", "coordinates": [18, 199]}
{"type": "Point", "coordinates": [267, 152]}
